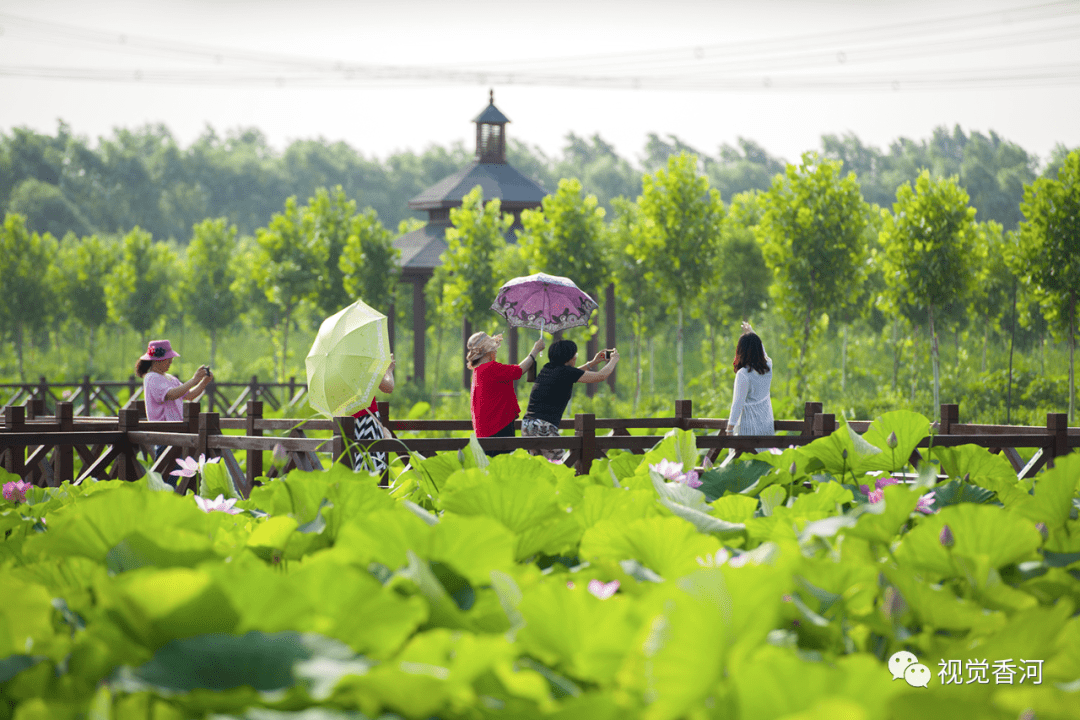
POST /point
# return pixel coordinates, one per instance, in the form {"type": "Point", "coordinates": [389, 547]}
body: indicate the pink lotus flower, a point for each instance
{"type": "Point", "coordinates": [673, 472]}
{"type": "Point", "coordinates": [188, 465]}
{"type": "Point", "coordinates": [602, 589]}
{"type": "Point", "coordinates": [878, 493]}
{"type": "Point", "coordinates": [926, 503]}
{"type": "Point", "coordinates": [15, 491]}
{"type": "Point", "coordinates": [218, 504]}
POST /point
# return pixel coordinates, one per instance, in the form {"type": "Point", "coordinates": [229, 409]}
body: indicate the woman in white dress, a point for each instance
{"type": "Point", "coordinates": [751, 405]}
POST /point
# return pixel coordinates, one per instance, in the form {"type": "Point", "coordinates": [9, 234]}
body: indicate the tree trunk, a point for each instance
{"type": "Point", "coordinates": [679, 356]}
{"type": "Point", "coordinates": [1072, 352]}
{"type": "Point", "coordinates": [285, 346]}
{"type": "Point", "coordinates": [1012, 339]}
{"type": "Point", "coordinates": [914, 361]}
{"type": "Point", "coordinates": [19, 350]}
{"type": "Point", "coordinates": [712, 356]}
{"type": "Point", "coordinates": [956, 346]}
{"type": "Point", "coordinates": [637, 365]}
{"type": "Point", "coordinates": [843, 361]}
{"type": "Point", "coordinates": [90, 354]}
{"type": "Point", "coordinates": [895, 352]}
{"type": "Point", "coordinates": [213, 348]}
{"type": "Point", "coordinates": [652, 370]}
{"type": "Point", "coordinates": [986, 333]}
{"type": "Point", "coordinates": [935, 359]}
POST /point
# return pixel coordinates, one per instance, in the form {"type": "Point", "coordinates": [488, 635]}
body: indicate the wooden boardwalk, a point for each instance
{"type": "Point", "coordinates": [41, 447]}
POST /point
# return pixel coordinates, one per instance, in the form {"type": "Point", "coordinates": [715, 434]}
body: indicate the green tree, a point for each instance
{"type": "Point", "coordinates": [208, 277]}
{"type": "Point", "coordinates": [139, 288]}
{"type": "Point", "coordinates": [1049, 255]}
{"type": "Point", "coordinates": [813, 242]}
{"type": "Point", "coordinates": [328, 218]}
{"type": "Point", "coordinates": [27, 300]}
{"type": "Point", "coordinates": [930, 251]}
{"type": "Point", "coordinates": [636, 290]}
{"type": "Point", "coordinates": [369, 262]}
{"type": "Point", "coordinates": [566, 237]}
{"type": "Point", "coordinates": [739, 286]}
{"type": "Point", "coordinates": [682, 214]}
{"type": "Point", "coordinates": [83, 267]}
{"type": "Point", "coordinates": [285, 256]}
{"type": "Point", "coordinates": [475, 242]}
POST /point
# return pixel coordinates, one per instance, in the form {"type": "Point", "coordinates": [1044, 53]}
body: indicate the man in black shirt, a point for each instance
{"type": "Point", "coordinates": [554, 386]}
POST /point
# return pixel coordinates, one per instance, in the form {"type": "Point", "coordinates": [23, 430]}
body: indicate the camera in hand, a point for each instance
{"type": "Point", "coordinates": [607, 354]}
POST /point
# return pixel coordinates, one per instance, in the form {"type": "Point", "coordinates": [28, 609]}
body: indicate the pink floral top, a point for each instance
{"type": "Point", "coordinates": [158, 409]}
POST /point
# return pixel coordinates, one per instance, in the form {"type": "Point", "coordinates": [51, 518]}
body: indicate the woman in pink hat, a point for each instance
{"type": "Point", "coordinates": [164, 392]}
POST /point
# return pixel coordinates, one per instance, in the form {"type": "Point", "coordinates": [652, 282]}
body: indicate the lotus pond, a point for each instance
{"type": "Point", "coordinates": [829, 581]}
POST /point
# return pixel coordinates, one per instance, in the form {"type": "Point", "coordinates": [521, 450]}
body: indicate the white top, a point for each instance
{"type": "Point", "coordinates": [751, 405]}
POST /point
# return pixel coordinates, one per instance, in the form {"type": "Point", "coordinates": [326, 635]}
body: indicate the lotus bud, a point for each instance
{"type": "Point", "coordinates": [946, 537]}
{"type": "Point", "coordinates": [894, 605]}
{"type": "Point", "coordinates": [280, 455]}
{"type": "Point", "coordinates": [892, 441]}
{"type": "Point", "coordinates": [792, 469]}
{"type": "Point", "coordinates": [1043, 530]}
{"type": "Point", "coordinates": [843, 454]}
{"type": "Point", "coordinates": [967, 477]}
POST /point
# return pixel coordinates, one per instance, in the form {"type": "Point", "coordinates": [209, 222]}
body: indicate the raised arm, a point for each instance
{"type": "Point", "coordinates": [590, 376]}
{"type": "Point", "coordinates": [386, 385]}
{"type": "Point", "coordinates": [192, 388]}
{"type": "Point", "coordinates": [530, 359]}
{"type": "Point", "coordinates": [747, 329]}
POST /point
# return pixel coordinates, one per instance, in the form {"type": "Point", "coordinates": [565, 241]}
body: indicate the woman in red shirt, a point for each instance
{"type": "Point", "coordinates": [493, 401]}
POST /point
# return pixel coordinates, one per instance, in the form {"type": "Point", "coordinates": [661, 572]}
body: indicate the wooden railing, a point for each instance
{"type": "Point", "coordinates": [89, 397]}
{"type": "Point", "coordinates": [42, 448]}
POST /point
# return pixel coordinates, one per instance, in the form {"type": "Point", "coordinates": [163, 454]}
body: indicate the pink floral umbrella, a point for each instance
{"type": "Point", "coordinates": [544, 302]}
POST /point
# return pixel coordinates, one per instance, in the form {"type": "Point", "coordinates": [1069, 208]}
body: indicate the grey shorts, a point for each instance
{"type": "Point", "coordinates": [535, 427]}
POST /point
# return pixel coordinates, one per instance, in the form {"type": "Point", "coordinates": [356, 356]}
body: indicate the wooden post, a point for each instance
{"type": "Point", "coordinates": [42, 393]}
{"type": "Point", "coordinates": [684, 410]}
{"type": "Point", "coordinates": [254, 457]}
{"type": "Point", "coordinates": [64, 455]}
{"type": "Point", "coordinates": [1057, 426]}
{"type": "Point", "coordinates": [384, 418]}
{"type": "Point", "coordinates": [512, 345]}
{"type": "Point", "coordinates": [950, 415]}
{"type": "Point", "coordinates": [824, 424]}
{"type": "Point", "coordinates": [191, 421]}
{"type": "Point", "coordinates": [140, 407]}
{"type": "Point", "coordinates": [126, 469]}
{"type": "Point", "coordinates": [591, 348]}
{"type": "Point", "coordinates": [419, 323]}
{"type": "Point", "coordinates": [209, 425]}
{"type": "Point", "coordinates": [15, 420]}
{"type": "Point", "coordinates": [811, 409]}
{"type": "Point", "coordinates": [131, 387]}
{"type": "Point", "coordinates": [87, 396]}
{"type": "Point", "coordinates": [609, 327]}
{"type": "Point", "coordinates": [35, 407]}
{"type": "Point", "coordinates": [585, 428]}
{"type": "Point", "coordinates": [210, 395]}
{"type": "Point", "coordinates": [343, 438]}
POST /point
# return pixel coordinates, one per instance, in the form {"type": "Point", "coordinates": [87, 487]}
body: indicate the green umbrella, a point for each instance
{"type": "Point", "coordinates": [350, 355]}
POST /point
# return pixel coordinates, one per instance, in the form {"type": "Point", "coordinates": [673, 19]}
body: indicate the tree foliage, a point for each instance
{"type": "Point", "coordinates": [813, 242]}
{"type": "Point", "coordinates": [1049, 255]}
{"type": "Point", "coordinates": [474, 244]}
{"type": "Point", "coordinates": [931, 249]}
{"type": "Point", "coordinates": [369, 262]}
{"type": "Point", "coordinates": [140, 291]}
{"type": "Point", "coordinates": [29, 302]}
{"type": "Point", "coordinates": [208, 278]}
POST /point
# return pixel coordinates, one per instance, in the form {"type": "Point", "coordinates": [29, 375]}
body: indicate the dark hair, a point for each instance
{"type": "Point", "coordinates": [142, 367]}
{"type": "Point", "coordinates": [750, 353]}
{"type": "Point", "coordinates": [561, 351]}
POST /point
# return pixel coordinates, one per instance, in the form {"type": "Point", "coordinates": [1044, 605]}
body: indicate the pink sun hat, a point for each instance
{"type": "Point", "coordinates": [159, 350]}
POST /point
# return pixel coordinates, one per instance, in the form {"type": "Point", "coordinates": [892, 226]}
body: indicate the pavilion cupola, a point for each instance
{"type": "Point", "coordinates": [491, 133]}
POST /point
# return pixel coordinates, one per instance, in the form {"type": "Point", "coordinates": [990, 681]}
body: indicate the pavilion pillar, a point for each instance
{"type": "Point", "coordinates": [591, 348]}
{"type": "Point", "coordinates": [419, 324]}
{"type": "Point", "coordinates": [609, 325]}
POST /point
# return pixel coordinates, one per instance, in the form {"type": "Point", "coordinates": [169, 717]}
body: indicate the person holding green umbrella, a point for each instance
{"type": "Point", "coordinates": [368, 428]}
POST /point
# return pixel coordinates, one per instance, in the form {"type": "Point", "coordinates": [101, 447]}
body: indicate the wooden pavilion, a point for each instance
{"type": "Point", "coordinates": [422, 249]}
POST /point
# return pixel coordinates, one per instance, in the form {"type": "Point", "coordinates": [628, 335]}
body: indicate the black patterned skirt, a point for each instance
{"type": "Point", "coordinates": [365, 431]}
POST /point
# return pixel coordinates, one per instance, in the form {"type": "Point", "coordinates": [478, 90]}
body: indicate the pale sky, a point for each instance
{"type": "Point", "coordinates": [404, 74]}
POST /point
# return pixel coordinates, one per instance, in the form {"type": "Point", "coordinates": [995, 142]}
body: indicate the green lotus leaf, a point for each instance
{"type": "Point", "coordinates": [474, 546]}
{"type": "Point", "coordinates": [1054, 493]}
{"type": "Point", "coordinates": [169, 547]}
{"type": "Point", "coordinates": [737, 477]}
{"type": "Point", "coordinates": [668, 546]}
{"type": "Point", "coordinates": [958, 491]}
{"type": "Point", "coordinates": [734, 508]}
{"type": "Point", "coordinates": [512, 492]}
{"type": "Point", "coordinates": [986, 535]}
{"type": "Point", "coordinates": [977, 464]}
{"type": "Point", "coordinates": [910, 429]}
{"type": "Point", "coordinates": [384, 537]}
{"type": "Point", "coordinates": [678, 446]}
{"type": "Point", "coordinates": [602, 503]}
{"type": "Point", "coordinates": [938, 607]}
{"type": "Point", "coordinates": [881, 521]}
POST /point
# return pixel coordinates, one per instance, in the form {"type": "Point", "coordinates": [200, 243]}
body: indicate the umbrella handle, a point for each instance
{"type": "Point", "coordinates": [541, 328]}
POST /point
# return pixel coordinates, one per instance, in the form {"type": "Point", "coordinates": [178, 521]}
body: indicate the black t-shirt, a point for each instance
{"type": "Point", "coordinates": [551, 392]}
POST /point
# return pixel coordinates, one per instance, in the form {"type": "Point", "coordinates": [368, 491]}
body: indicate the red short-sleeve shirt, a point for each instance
{"type": "Point", "coordinates": [493, 402]}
